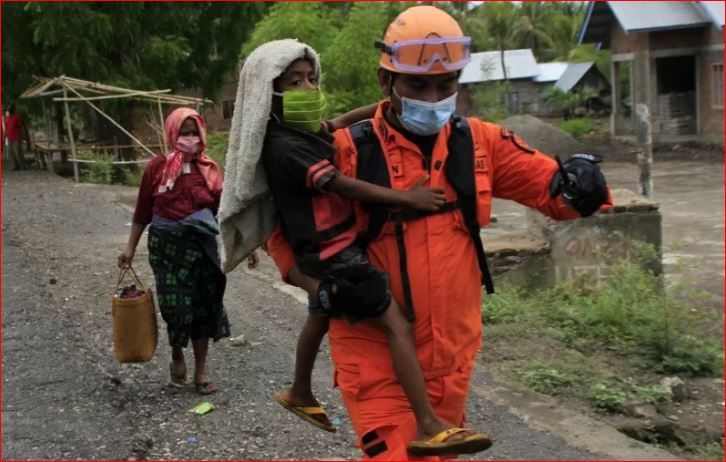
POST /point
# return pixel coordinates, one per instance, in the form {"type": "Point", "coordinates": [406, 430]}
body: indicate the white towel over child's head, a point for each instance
{"type": "Point", "coordinates": [247, 214]}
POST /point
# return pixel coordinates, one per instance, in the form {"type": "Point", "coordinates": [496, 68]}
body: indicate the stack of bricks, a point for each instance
{"type": "Point", "coordinates": [677, 113]}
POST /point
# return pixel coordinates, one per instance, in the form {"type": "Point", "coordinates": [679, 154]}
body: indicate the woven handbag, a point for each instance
{"type": "Point", "coordinates": [135, 331]}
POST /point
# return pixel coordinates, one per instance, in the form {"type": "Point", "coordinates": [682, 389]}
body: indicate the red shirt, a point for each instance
{"type": "Point", "coordinates": [13, 127]}
{"type": "Point", "coordinates": [189, 194]}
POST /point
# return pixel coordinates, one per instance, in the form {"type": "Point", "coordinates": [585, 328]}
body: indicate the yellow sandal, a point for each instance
{"type": "Point", "coordinates": [306, 412]}
{"type": "Point", "coordinates": [440, 444]}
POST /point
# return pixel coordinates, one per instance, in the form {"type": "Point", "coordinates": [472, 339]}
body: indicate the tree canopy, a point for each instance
{"type": "Point", "coordinates": [199, 45]}
{"type": "Point", "coordinates": [139, 45]}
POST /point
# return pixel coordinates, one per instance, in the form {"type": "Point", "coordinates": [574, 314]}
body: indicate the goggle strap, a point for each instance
{"type": "Point", "coordinates": [383, 47]}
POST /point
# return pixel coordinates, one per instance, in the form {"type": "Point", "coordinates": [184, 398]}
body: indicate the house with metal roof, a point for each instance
{"type": "Point", "coordinates": [667, 55]}
{"type": "Point", "coordinates": [550, 72]}
{"type": "Point", "coordinates": [520, 67]}
{"type": "Point", "coordinates": [527, 78]}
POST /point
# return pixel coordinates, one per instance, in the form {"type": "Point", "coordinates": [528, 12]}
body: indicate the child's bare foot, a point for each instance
{"type": "Point", "coordinates": [427, 430]}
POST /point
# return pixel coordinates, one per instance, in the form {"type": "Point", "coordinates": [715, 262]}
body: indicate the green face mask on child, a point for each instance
{"type": "Point", "coordinates": [303, 109]}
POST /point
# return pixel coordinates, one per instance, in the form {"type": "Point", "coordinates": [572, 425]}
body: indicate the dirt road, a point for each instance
{"type": "Point", "coordinates": [65, 396]}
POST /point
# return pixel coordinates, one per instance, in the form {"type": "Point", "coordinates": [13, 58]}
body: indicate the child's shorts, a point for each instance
{"type": "Point", "coordinates": [363, 291]}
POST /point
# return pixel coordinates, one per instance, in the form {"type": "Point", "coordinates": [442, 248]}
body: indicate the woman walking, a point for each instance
{"type": "Point", "coordinates": [179, 197]}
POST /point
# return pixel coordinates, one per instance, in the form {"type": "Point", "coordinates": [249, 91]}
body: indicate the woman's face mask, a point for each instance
{"type": "Point", "coordinates": [303, 109]}
{"type": "Point", "coordinates": [190, 144]}
{"type": "Point", "coordinates": [424, 118]}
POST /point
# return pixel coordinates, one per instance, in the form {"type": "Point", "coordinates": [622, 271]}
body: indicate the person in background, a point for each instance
{"type": "Point", "coordinates": [179, 197]}
{"type": "Point", "coordinates": [15, 131]}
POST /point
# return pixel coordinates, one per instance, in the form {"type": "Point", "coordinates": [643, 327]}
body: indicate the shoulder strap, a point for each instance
{"type": "Point", "coordinates": [372, 168]}
{"type": "Point", "coordinates": [460, 173]}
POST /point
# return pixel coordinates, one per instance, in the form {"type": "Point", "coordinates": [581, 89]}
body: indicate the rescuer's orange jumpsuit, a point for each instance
{"type": "Point", "coordinates": [444, 275]}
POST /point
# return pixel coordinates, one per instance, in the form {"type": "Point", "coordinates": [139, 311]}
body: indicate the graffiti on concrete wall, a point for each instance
{"type": "Point", "coordinates": [587, 256]}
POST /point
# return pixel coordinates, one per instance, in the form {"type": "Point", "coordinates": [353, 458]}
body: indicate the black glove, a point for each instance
{"type": "Point", "coordinates": [585, 189]}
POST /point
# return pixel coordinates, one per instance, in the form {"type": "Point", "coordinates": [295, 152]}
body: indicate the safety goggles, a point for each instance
{"type": "Point", "coordinates": [420, 55]}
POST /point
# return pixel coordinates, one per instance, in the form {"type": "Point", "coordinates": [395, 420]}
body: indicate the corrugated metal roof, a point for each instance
{"type": "Point", "coordinates": [550, 72]}
{"type": "Point", "coordinates": [572, 75]}
{"type": "Point", "coordinates": [486, 66]}
{"type": "Point", "coordinates": [639, 16]}
{"type": "Point", "coordinates": [716, 11]}
{"type": "Point", "coordinates": [647, 16]}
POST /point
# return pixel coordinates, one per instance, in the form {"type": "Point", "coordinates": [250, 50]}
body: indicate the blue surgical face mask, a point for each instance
{"type": "Point", "coordinates": [424, 118]}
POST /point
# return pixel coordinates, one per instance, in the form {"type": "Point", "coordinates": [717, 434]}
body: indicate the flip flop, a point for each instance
{"type": "Point", "coordinates": [175, 377]}
{"type": "Point", "coordinates": [439, 444]}
{"type": "Point", "coordinates": [306, 412]}
{"type": "Point", "coordinates": [201, 388]}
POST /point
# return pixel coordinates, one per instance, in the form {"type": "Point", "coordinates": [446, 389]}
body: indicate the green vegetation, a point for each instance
{"type": "Point", "coordinates": [577, 127]}
{"type": "Point", "coordinates": [217, 147]}
{"type": "Point", "coordinates": [200, 45]}
{"type": "Point", "coordinates": [707, 451]}
{"type": "Point", "coordinates": [489, 100]}
{"type": "Point", "coordinates": [101, 171]}
{"type": "Point", "coordinates": [132, 176]}
{"type": "Point", "coordinates": [631, 317]}
{"type": "Point", "coordinates": [546, 378]}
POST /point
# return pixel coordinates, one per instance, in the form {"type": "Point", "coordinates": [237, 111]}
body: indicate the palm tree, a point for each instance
{"type": "Point", "coordinates": [533, 27]}
{"type": "Point", "coordinates": [500, 20]}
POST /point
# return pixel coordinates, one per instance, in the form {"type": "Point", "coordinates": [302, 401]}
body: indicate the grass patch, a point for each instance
{"type": "Point", "coordinates": [629, 316]}
{"type": "Point", "coordinates": [548, 378]}
{"type": "Point", "coordinates": [577, 127]}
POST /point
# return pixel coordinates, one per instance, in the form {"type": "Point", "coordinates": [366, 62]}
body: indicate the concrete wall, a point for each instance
{"type": "Point", "coordinates": [215, 114]}
{"type": "Point", "coordinates": [679, 38]}
{"type": "Point", "coordinates": [711, 116]}
{"type": "Point", "coordinates": [627, 43]}
{"type": "Point", "coordinates": [581, 249]}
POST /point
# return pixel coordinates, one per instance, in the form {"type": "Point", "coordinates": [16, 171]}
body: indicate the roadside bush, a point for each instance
{"type": "Point", "coordinates": [100, 171]}
{"type": "Point", "coordinates": [132, 176]}
{"type": "Point", "coordinates": [612, 395]}
{"type": "Point", "coordinates": [607, 398]}
{"type": "Point", "coordinates": [577, 127]}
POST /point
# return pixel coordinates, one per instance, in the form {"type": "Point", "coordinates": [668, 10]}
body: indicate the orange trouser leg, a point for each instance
{"type": "Point", "coordinates": [382, 417]}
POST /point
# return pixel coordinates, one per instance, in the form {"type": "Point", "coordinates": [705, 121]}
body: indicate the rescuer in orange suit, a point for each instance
{"type": "Point", "coordinates": [435, 261]}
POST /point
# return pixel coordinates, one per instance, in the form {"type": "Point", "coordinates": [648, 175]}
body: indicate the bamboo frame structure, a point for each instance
{"type": "Point", "coordinates": [86, 91]}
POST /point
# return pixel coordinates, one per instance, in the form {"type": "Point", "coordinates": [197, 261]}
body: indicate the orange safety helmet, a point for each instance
{"type": "Point", "coordinates": [424, 40]}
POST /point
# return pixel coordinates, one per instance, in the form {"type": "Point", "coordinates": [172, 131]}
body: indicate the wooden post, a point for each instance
{"type": "Point", "coordinates": [614, 96]}
{"type": "Point", "coordinates": [645, 154]}
{"type": "Point", "coordinates": [48, 117]}
{"type": "Point", "coordinates": [55, 134]}
{"type": "Point", "coordinates": [110, 119]}
{"type": "Point", "coordinates": [70, 136]}
{"type": "Point", "coordinates": [161, 124]}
